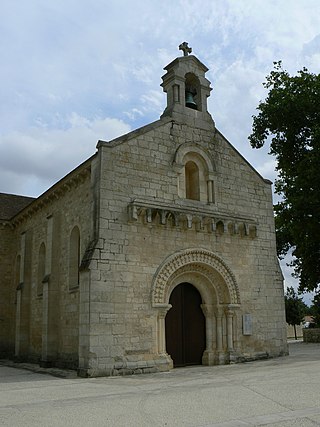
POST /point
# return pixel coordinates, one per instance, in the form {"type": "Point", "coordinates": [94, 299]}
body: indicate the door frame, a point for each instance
{"type": "Point", "coordinates": [185, 299]}
{"type": "Point", "coordinates": [217, 285]}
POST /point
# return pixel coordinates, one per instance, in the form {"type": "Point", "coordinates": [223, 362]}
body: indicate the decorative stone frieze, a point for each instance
{"type": "Point", "coordinates": [153, 214]}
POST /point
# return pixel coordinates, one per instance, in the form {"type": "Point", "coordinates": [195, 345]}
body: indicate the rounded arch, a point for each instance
{"type": "Point", "coordinates": [195, 172]}
{"type": "Point", "coordinates": [204, 269]}
{"type": "Point", "coordinates": [191, 147]}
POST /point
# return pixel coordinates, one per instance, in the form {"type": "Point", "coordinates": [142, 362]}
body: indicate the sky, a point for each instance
{"type": "Point", "coordinates": [76, 71]}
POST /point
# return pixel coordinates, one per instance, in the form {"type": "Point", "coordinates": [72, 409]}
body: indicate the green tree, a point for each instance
{"type": "Point", "coordinates": [289, 119]}
{"type": "Point", "coordinates": [315, 310]}
{"type": "Point", "coordinates": [295, 309]}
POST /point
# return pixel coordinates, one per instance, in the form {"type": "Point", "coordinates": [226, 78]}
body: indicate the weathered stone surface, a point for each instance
{"type": "Point", "coordinates": [169, 203]}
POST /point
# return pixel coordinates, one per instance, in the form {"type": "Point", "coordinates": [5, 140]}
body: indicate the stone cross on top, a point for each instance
{"type": "Point", "coordinates": [185, 48]}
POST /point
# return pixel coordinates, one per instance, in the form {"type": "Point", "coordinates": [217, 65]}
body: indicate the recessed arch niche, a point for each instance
{"type": "Point", "coordinates": [196, 173]}
{"type": "Point", "coordinates": [219, 291]}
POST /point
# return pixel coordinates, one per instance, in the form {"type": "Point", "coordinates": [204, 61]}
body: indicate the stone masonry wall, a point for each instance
{"type": "Point", "coordinates": [123, 323]}
{"type": "Point", "coordinates": [7, 291]}
{"type": "Point", "coordinates": [69, 206]}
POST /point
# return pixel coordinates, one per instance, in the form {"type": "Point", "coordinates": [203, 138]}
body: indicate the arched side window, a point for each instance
{"type": "Point", "coordinates": [41, 268]}
{"type": "Point", "coordinates": [192, 181]}
{"type": "Point", "coordinates": [74, 258]}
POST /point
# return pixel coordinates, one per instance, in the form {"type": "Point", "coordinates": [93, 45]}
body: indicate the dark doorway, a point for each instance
{"type": "Point", "coordinates": [185, 326]}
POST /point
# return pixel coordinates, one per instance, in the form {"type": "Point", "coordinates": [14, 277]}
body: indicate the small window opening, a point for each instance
{"type": "Point", "coordinates": [192, 181]}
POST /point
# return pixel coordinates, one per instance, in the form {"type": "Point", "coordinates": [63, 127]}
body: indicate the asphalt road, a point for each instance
{"type": "Point", "coordinates": [277, 392]}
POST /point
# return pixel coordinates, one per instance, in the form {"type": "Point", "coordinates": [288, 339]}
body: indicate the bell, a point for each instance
{"type": "Point", "coordinates": [190, 101]}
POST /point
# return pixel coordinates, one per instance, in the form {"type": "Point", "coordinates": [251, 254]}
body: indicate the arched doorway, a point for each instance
{"type": "Point", "coordinates": [185, 326]}
{"type": "Point", "coordinates": [219, 302]}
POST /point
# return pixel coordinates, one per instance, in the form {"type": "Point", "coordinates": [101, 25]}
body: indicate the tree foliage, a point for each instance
{"type": "Point", "coordinates": [295, 308]}
{"type": "Point", "coordinates": [314, 310]}
{"type": "Point", "coordinates": [289, 119]}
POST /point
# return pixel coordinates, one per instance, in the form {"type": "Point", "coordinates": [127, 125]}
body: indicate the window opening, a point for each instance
{"type": "Point", "coordinates": [192, 181]}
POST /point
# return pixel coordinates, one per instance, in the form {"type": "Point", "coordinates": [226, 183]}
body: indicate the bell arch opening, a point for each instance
{"type": "Point", "coordinates": [192, 92]}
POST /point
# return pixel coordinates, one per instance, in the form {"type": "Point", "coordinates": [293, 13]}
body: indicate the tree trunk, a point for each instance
{"type": "Point", "coordinates": [295, 332]}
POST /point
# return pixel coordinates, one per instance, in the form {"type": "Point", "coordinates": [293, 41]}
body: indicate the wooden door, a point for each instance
{"type": "Point", "coordinates": [185, 326]}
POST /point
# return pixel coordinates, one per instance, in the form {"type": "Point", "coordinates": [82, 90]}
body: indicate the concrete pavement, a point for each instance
{"type": "Point", "coordinates": [278, 392]}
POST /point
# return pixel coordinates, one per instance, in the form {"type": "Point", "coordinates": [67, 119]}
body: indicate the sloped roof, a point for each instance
{"type": "Point", "coordinates": [11, 204]}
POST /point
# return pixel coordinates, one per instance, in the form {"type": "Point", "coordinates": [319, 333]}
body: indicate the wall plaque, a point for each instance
{"type": "Point", "coordinates": [247, 324]}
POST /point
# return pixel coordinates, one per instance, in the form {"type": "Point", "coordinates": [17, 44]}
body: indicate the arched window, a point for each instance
{"type": "Point", "coordinates": [41, 268]}
{"type": "Point", "coordinates": [196, 173]}
{"type": "Point", "coordinates": [74, 258]}
{"type": "Point", "coordinates": [192, 181]}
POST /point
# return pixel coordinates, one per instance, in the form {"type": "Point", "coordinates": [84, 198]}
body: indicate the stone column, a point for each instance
{"type": "Point", "coordinates": [176, 93]}
{"type": "Point", "coordinates": [208, 357]}
{"type": "Point", "coordinates": [45, 350]}
{"type": "Point", "coordinates": [19, 326]}
{"type": "Point", "coordinates": [210, 191]}
{"type": "Point", "coordinates": [45, 325]}
{"type": "Point", "coordinates": [84, 323]}
{"type": "Point", "coordinates": [210, 187]}
{"type": "Point", "coordinates": [161, 329]}
{"type": "Point", "coordinates": [220, 352]}
{"type": "Point", "coordinates": [219, 330]}
{"type": "Point", "coordinates": [229, 329]}
{"type": "Point", "coordinates": [18, 323]}
{"type": "Point", "coordinates": [233, 344]}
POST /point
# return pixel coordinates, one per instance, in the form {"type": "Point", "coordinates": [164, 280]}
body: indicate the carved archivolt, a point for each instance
{"type": "Point", "coordinates": [197, 263]}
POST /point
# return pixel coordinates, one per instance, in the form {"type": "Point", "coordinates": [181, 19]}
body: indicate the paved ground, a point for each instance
{"type": "Point", "coordinates": [280, 392]}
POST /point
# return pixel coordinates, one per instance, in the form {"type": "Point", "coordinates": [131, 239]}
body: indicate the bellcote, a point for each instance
{"type": "Point", "coordinates": [187, 90]}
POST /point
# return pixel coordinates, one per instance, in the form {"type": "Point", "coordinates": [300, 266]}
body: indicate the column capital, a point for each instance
{"type": "Point", "coordinates": [162, 309]}
{"type": "Point", "coordinates": [207, 309]}
{"type": "Point", "coordinates": [233, 306]}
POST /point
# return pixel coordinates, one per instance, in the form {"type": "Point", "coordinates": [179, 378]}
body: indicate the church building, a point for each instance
{"type": "Point", "coordinates": [157, 252]}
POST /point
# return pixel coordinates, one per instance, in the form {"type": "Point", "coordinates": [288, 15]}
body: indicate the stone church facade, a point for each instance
{"type": "Point", "coordinates": [158, 251]}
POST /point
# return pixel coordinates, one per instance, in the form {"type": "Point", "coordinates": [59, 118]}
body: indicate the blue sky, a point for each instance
{"type": "Point", "coordinates": [73, 72]}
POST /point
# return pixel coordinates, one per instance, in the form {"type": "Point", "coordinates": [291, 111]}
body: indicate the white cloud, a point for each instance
{"type": "Point", "coordinates": [73, 72]}
{"type": "Point", "coordinates": [40, 156]}
{"type": "Point", "coordinates": [268, 169]}
{"type": "Point", "coordinates": [105, 59]}
{"type": "Point", "coordinates": [134, 113]}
